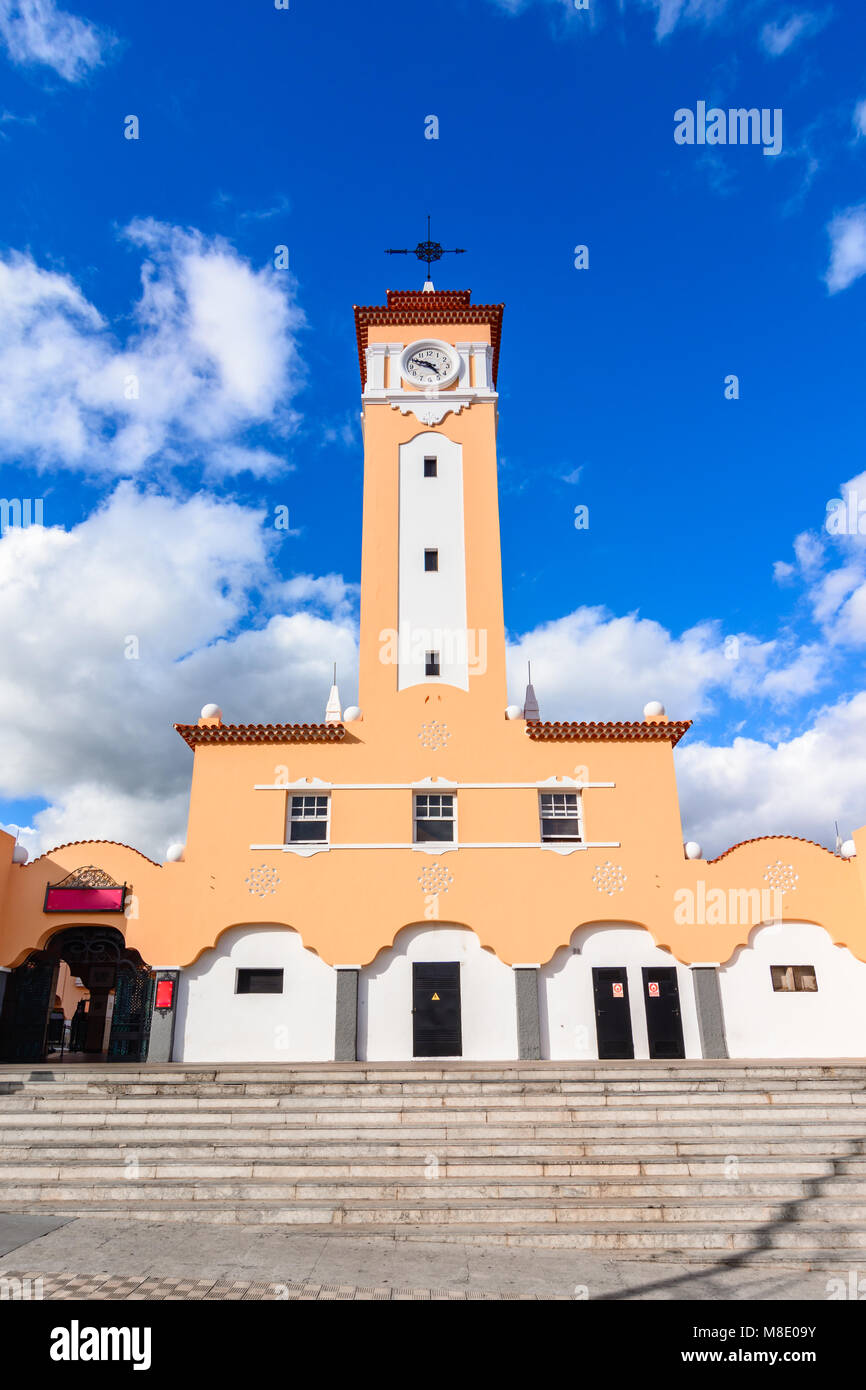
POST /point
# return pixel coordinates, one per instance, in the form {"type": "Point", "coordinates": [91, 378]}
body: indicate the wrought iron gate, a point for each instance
{"type": "Point", "coordinates": [133, 1007]}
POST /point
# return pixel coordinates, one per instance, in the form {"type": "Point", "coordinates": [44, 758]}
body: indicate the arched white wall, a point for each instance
{"type": "Point", "coordinates": [566, 1001]}
{"type": "Point", "coordinates": [215, 1024]}
{"type": "Point", "coordinates": [487, 996]}
{"type": "Point", "coordinates": [759, 1022]}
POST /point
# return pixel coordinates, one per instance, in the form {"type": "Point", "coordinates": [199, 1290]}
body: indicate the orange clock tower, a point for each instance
{"type": "Point", "coordinates": [431, 590]}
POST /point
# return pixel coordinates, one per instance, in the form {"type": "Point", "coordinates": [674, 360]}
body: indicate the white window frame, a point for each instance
{"type": "Point", "coordinates": [563, 839]}
{"type": "Point", "coordinates": [415, 818]}
{"type": "Point", "coordinates": [303, 795]}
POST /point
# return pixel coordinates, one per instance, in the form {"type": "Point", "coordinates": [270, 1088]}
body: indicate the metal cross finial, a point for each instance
{"type": "Point", "coordinates": [428, 250]}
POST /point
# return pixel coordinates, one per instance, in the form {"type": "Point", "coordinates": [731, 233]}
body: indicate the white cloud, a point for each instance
{"type": "Point", "coordinates": [213, 351]}
{"type": "Point", "coordinates": [777, 38]}
{"type": "Point", "coordinates": [669, 13]}
{"type": "Point", "coordinates": [88, 729]}
{"type": "Point", "coordinates": [590, 665]}
{"type": "Point", "coordinates": [847, 233]}
{"type": "Point", "coordinates": [859, 118]}
{"type": "Point", "coordinates": [797, 787]}
{"type": "Point", "coordinates": [36, 32]}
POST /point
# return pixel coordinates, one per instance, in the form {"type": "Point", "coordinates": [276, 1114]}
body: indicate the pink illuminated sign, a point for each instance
{"type": "Point", "coordinates": [84, 899]}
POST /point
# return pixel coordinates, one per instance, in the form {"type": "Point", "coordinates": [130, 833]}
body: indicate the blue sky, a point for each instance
{"type": "Point", "coordinates": [153, 260]}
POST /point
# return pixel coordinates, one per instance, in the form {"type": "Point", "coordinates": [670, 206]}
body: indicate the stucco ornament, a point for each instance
{"type": "Point", "coordinates": [262, 880]}
{"type": "Point", "coordinates": [609, 878]}
{"type": "Point", "coordinates": [781, 877]}
{"type": "Point", "coordinates": [434, 735]}
{"type": "Point", "coordinates": [435, 878]}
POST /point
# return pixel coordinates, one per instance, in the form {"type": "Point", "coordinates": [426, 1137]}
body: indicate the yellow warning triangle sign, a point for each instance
{"type": "Point", "coordinates": [435, 996]}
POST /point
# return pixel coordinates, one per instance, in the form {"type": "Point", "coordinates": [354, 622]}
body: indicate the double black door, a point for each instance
{"type": "Point", "coordinates": [436, 1022]}
{"type": "Point", "coordinates": [612, 1011]}
{"type": "Point", "coordinates": [664, 1024]}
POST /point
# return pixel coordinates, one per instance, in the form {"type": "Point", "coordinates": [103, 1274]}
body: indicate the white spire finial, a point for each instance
{"type": "Point", "coordinates": [530, 703]}
{"type": "Point", "coordinates": [333, 709]}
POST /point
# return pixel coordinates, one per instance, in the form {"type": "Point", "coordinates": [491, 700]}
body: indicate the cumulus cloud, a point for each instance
{"type": "Point", "coordinates": [130, 621]}
{"type": "Point", "coordinates": [796, 787]}
{"type": "Point", "coordinates": [592, 665]}
{"type": "Point", "coordinates": [36, 32]}
{"type": "Point", "coordinates": [847, 233]}
{"type": "Point", "coordinates": [212, 352]}
{"type": "Point", "coordinates": [777, 38]}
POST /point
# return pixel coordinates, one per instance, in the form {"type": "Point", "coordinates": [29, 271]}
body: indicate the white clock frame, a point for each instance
{"type": "Point", "coordinates": [418, 346]}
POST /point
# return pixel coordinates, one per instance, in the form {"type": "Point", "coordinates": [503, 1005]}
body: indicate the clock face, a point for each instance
{"type": "Point", "coordinates": [429, 364]}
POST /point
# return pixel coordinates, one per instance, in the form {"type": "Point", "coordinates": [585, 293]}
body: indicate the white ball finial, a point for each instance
{"type": "Point", "coordinates": [211, 712]}
{"type": "Point", "coordinates": [351, 714]}
{"type": "Point", "coordinates": [653, 709]}
{"type": "Point", "coordinates": [174, 854]}
{"type": "Point", "coordinates": [848, 849]}
{"type": "Point", "coordinates": [20, 855]}
{"type": "Point", "coordinates": [513, 712]}
{"type": "Point", "coordinates": [693, 850]}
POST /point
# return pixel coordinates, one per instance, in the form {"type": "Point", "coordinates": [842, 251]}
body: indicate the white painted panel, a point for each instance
{"type": "Point", "coordinates": [487, 996]}
{"type": "Point", "coordinates": [566, 1001]}
{"type": "Point", "coordinates": [762, 1023]}
{"type": "Point", "coordinates": [215, 1024]}
{"type": "Point", "coordinates": [432, 607]}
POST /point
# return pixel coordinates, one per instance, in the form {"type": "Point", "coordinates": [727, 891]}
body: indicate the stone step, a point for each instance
{"type": "Point", "coordinates": [468, 1099]}
{"type": "Point", "coordinates": [414, 1184]}
{"type": "Point", "coordinates": [735, 1139]}
{"type": "Point", "coordinates": [406, 1161]}
{"type": "Point", "coordinates": [649, 1088]}
{"type": "Point", "coordinates": [304, 1144]}
{"type": "Point", "coordinates": [584, 1226]}
{"type": "Point", "coordinates": [128, 1111]}
{"type": "Point", "coordinates": [282, 1199]}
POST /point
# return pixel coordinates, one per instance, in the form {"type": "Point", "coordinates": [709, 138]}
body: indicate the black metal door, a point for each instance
{"type": "Point", "coordinates": [612, 1012]}
{"type": "Point", "coordinates": [133, 1007]}
{"type": "Point", "coordinates": [436, 1025]}
{"type": "Point", "coordinates": [26, 1006]}
{"type": "Point", "coordinates": [663, 1022]}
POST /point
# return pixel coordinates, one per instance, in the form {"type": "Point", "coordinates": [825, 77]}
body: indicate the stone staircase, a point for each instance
{"type": "Point", "coordinates": [693, 1160]}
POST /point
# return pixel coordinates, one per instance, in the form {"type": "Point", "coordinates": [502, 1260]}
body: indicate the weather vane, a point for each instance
{"type": "Point", "coordinates": [428, 250]}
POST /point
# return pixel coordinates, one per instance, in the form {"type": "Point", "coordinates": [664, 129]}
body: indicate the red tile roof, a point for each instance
{"type": "Point", "coordinates": [430, 307]}
{"type": "Point", "coordinates": [193, 734]}
{"type": "Point", "coordinates": [667, 731]}
{"type": "Point", "coordinates": [799, 838]}
{"type": "Point", "coordinates": [70, 844]}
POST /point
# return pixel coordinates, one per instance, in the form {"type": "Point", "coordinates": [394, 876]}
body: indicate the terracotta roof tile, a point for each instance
{"type": "Point", "coordinates": [432, 306]}
{"type": "Point", "coordinates": [70, 844]}
{"type": "Point", "coordinates": [799, 838]}
{"type": "Point", "coordinates": [667, 731]}
{"type": "Point", "coordinates": [194, 734]}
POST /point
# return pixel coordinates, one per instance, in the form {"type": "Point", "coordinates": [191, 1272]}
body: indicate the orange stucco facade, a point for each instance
{"type": "Point", "coordinates": [351, 898]}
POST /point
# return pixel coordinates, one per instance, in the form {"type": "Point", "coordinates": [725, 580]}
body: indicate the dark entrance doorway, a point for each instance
{"type": "Point", "coordinates": [436, 1023]}
{"type": "Point", "coordinates": [119, 983]}
{"type": "Point", "coordinates": [663, 1022]}
{"type": "Point", "coordinates": [612, 1011]}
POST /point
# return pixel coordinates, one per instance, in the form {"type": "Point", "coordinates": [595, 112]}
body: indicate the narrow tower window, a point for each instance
{"type": "Point", "coordinates": [431, 468]}
{"type": "Point", "coordinates": [431, 560]}
{"type": "Point", "coordinates": [431, 665]}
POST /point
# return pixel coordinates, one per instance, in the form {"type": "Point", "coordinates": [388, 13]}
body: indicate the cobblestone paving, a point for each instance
{"type": "Point", "coordinates": [87, 1288]}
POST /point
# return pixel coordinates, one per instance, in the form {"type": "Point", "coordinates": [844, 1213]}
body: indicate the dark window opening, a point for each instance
{"type": "Point", "coordinates": [431, 665]}
{"type": "Point", "coordinates": [431, 468]}
{"type": "Point", "coordinates": [434, 817]}
{"type": "Point", "coordinates": [308, 818]}
{"type": "Point", "coordinates": [794, 979]}
{"type": "Point", "coordinates": [560, 816]}
{"type": "Point", "coordinates": [431, 560]}
{"type": "Point", "coordinates": [259, 982]}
